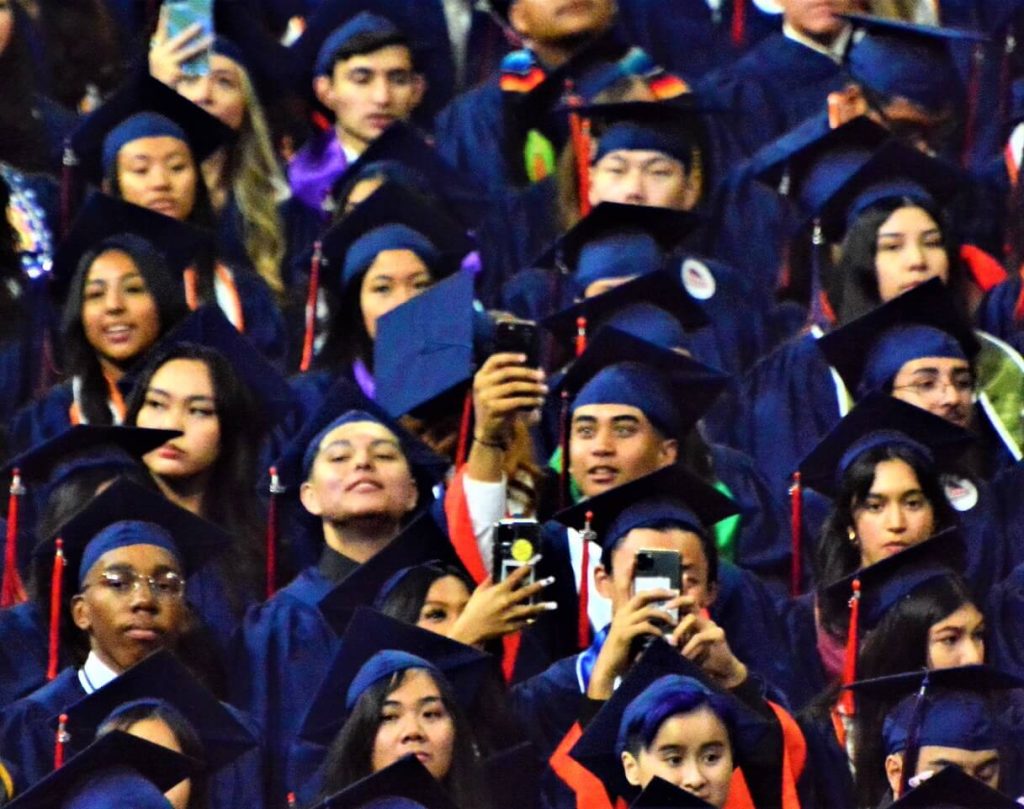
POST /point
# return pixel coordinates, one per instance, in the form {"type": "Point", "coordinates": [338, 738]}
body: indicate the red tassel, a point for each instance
{"type": "Point", "coordinates": [583, 626]}
{"type": "Point", "coordinates": [579, 129]}
{"type": "Point", "coordinates": [272, 529]}
{"type": "Point", "coordinates": [56, 589]}
{"type": "Point", "coordinates": [796, 506]}
{"type": "Point", "coordinates": [309, 338]}
{"type": "Point", "coordinates": [581, 335]}
{"type": "Point", "coordinates": [12, 590]}
{"type": "Point", "coordinates": [563, 443]}
{"type": "Point", "coordinates": [62, 739]}
{"type": "Point", "coordinates": [847, 705]}
{"type": "Point", "coordinates": [462, 447]}
{"type": "Point", "coordinates": [739, 22]}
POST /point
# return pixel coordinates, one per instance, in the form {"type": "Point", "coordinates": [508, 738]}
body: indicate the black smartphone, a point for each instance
{"type": "Point", "coordinates": [518, 337]}
{"type": "Point", "coordinates": [658, 570]}
{"type": "Point", "coordinates": [516, 542]}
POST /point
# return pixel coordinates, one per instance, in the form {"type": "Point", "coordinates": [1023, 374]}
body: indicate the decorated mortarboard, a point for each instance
{"type": "Point", "coordinates": [634, 307]}
{"type": "Point", "coordinates": [161, 677]}
{"type": "Point", "coordinates": [369, 634]}
{"type": "Point", "coordinates": [128, 514]}
{"type": "Point", "coordinates": [598, 747]}
{"type": "Point", "coordinates": [671, 389]}
{"type": "Point", "coordinates": [671, 493]}
{"type": "Point", "coordinates": [406, 784]}
{"type": "Point", "coordinates": [419, 542]}
{"type": "Point", "coordinates": [923, 322]}
{"type": "Point", "coordinates": [880, 420]}
{"type": "Point", "coordinates": [901, 59]}
{"type": "Point", "coordinates": [208, 326]}
{"type": "Point", "coordinates": [116, 770]}
{"type": "Point", "coordinates": [893, 171]}
{"type": "Point", "coordinates": [660, 794]}
{"type": "Point", "coordinates": [886, 583]}
{"type": "Point", "coordinates": [104, 217]}
{"type": "Point", "coordinates": [143, 107]}
{"type": "Point", "coordinates": [952, 788]}
{"type": "Point", "coordinates": [392, 217]}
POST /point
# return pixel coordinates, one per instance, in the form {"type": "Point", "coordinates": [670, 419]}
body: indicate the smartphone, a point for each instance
{"type": "Point", "coordinates": [516, 542]}
{"type": "Point", "coordinates": [180, 15]}
{"type": "Point", "coordinates": [518, 337]}
{"type": "Point", "coordinates": [658, 570]}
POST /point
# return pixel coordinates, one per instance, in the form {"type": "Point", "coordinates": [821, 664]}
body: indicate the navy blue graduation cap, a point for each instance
{"type": "Point", "coordinates": [660, 794]}
{"type": "Point", "coordinates": [419, 542]}
{"type": "Point", "coordinates": [598, 748]}
{"type": "Point", "coordinates": [923, 322]}
{"type": "Point", "coordinates": [143, 107]}
{"type": "Point", "coordinates": [952, 788]}
{"type": "Point", "coordinates": [331, 28]}
{"type": "Point", "coordinates": [406, 784]}
{"type": "Point", "coordinates": [368, 634]}
{"type": "Point", "coordinates": [671, 389]}
{"type": "Point", "coordinates": [896, 58]}
{"type": "Point", "coordinates": [877, 420]}
{"type": "Point", "coordinates": [655, 307]}
{"type": "Point", "coordinates": [672, 493]}
{"type": "Point", "coordinates": [118, 769]}
{"type": "Point", "coordinates": [104, 217]}
{"type": "Point", "coordinates": [208, 326]}
{"type": "Point", "coordinates": [161, 677]}
{"type": "Point", "coordinates": [391, 217]}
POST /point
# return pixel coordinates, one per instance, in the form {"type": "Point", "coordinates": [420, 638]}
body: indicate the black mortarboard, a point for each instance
{"type": "Point", "coordinates": [162, 677]}
{"type": "Point", "coordinates": [659, 289]}
{"type": "Point", "coordinates": [117, 118]}
{"type": "Point", "coordinates": [103, 216]}
{"type": "Point", "coordinates": [420, 541]}
{"type": "Point", "coordinates": [876, 420]}
{"type": "Point", "coordinates": [980, 678]}
{"type": "Point", "coordinates": [672, 492]}
{"type": "Point", "coordinates": [370, 632]}
{"type": "Point", "coordinates": [119, 754]}
{"type": "Point", "coordinates": [866, 360]}
{"type": "Point", "coordinates": [392, 216]}
{"type": "Point", "coordinates": [660, 794]}
{"type": "Point", "coordinates": [596, 748]}
{"type": "Point", "coordinates": [952, 788]}
{"type": "Point", "coordinates": [513, 776]}
{"type": "Point", "coordinates": [207, 326]}
{"type": "Point", "coordinates": [150, 518]}
{"type": "Point", "coordinates": [887, 582]}
{"type": "Point", "coordinates": [403, 785]}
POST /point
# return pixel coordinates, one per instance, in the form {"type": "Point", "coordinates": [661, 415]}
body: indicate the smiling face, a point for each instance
{"type": "Point", "coordinates": [894, 515]}
{"type": "Point", "coordinates": [909, 250]}
{"type": "Point", "coordinates": [158, 173]}
{"type": "Point", "coordinates": [415, 721]}
{"type": "Point", "coordinates": [125, 624]}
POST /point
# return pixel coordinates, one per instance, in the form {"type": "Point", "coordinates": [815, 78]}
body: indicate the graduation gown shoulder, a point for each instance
{"type": "Point", "coordinates": [42, 419]}
{"type": "Point", "coordinates": [23, 652]}
{"type": "Point", "coordinates": [264, 323]}
{"type": "Point", "coordinates": [548, 703]}
{"type": "Point", "coordinates": [470, 135]}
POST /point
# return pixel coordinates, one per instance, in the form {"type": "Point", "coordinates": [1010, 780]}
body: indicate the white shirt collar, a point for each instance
{"type": "Point", "coordinates": [95, 673]}
{"type": "Point", "coordinates": [834, 52]}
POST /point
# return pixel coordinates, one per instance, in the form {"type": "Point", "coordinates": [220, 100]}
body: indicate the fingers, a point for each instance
{"type": "Point", "coordinates": [705, 638]}
{"type": "Point", "coordinates": [528, 591]}
{"type": "Point", "coordinates": [504, 360]}
{"type": "Point", "coordinates": [640, 600]}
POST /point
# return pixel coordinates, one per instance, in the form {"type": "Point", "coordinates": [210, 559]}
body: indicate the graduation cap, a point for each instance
{"type": "Point", "coordinates": [104, 217]}
{"type": "Point", "coordinates": [143, 107]}
{"type": "Point", "coordinates": [877, 420]}
{"type": "Point", "coordinates": [162, 678]}
{"type": "Point", "coordinates": [332, 28]}
{"type": "Point", "coordinates": [369, 634]}
{"type": "Point", "coordinates": [898, 58]}
{"type": "Point", "coordinates": [952, 788]}
{"type": "Point", "coordinates": [598, 748]}
{"type": "Point", "coordinates": [671, 389]}
{"type": "Point", "coordinates": [207, 326]}
{"type": "Point", "coordinates": [655, 307]}
{"type": "Point", "coordinates": [118, 768]}
{"type": "Point", "coordinates": [392, 217]}
{"type": "Point", "coordinates": [513, 776]}
{"type": "Point", "coordinates": [660, 794]}
{"type": "Point", "coordinates": [419, 542]}
{"type": "Point", "coordinates": [924, 322]}
{"type": "Point", "coordinates": [406, 784]}
{"type": "Point", "coordinates": [672, 492]}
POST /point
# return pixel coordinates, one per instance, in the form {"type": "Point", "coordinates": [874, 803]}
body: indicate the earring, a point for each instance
{"type": "Point", "coordinates": [852, 535]}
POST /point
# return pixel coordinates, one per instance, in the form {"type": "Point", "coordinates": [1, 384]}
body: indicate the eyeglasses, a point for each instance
{"type": "Point", "coordinates": [935, 385]}
{"type": "Point", "coordinates": [165, 586]}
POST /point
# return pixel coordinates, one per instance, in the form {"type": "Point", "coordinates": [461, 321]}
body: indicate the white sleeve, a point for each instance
{"type": "Point", "coordinates": [486, 504]}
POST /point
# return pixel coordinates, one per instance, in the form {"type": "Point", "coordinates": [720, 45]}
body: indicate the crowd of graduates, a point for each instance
{"type": "Point", "coordinates": [513, 403]}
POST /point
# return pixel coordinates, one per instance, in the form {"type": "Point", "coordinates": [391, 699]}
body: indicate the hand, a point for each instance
{"type": "Point", "coordinates": [702, 641]}
{"type": "Point", "coordinates": [166, 55]}
{"type": "Point", "coordinates": [502, 388]}
{"type": "Point", "coordinates": [845, 105]}
{"type": "Point", "coordinates": [499, 609]}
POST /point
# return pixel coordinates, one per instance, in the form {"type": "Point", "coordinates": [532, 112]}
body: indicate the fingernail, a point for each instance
{"type": "Point", "coordinates": [535, 559]}
{"type": "Point", "coordinates": [550, 605]}
{"type": "Point", "coordinates": [548, 581]}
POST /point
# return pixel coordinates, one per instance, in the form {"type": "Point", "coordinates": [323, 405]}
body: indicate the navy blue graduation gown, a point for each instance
{"type": "Point", "coordinates": [548, 704]}
{"type": "Point", "coordinates": [28, 730]}
{"type": "Point", "coordinates": [264, 323]}
{"type": "Point", "coordinates": [827, 771]}
{"type": "Point", "coordinates": [997, 312]}
{"type": "Point", "coordinates": [470, 135]}
{"type": "Point", "coordinates": [23, 652]}
{"type": "Point", "coordinates": [41, 420]}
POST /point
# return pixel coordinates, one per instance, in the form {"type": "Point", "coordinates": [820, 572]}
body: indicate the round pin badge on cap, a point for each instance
{"type": "Point", "coordinates": [697, 279]}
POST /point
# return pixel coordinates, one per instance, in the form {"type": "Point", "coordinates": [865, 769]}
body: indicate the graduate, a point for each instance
{"type": "Point", "coordinates": [406, 784]}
